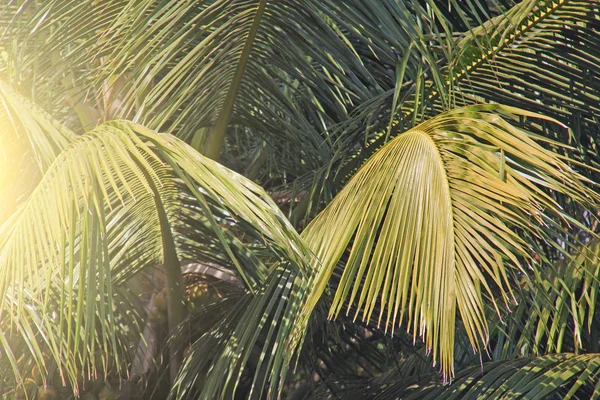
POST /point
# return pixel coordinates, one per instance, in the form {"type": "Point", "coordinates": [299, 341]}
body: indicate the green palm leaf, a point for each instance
{"type": "Point", "coordinates": [106, 208]}
{"type": "Point", "coordinates": [260, 332]}
{"type": "Point", "coordinates": [440, 225]}
{"type": "Point", "coordinates": [286, 54]}
{"type": "Point", "coordinates": [29, 143]}
{"type": "Point", "coordinates": [539, 54]}
{"type": "Point", "coordinates": [432, 220]}
{"type": "Point", "coordinates": [563, 376]}
{"type": "Point", "coordinates": [556, 310]}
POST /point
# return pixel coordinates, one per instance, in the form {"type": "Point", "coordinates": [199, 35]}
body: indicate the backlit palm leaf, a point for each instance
{"type": "Point", "coordinates": [29, 143]}
{"type": "Point", "coordinates": [106, 208]}
{"type": "Point", "coordinates": [45, 137]}
{"type": "Point", "coordinates": [432, 221]}
{"type": "Point", "coordinates": [540, 53]}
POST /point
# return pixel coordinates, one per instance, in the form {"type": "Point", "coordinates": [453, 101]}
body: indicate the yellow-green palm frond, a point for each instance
{"type": "Point", "coordinates": [540, 55]}
{"type": "Point", "coordinates": [108, 206]}
{"type": "Point", "coordinates": [434, 220]}
{"type": "Point", "coordinates": [42, 134]}
{"type": "Point", "coordinates": [29, 143]}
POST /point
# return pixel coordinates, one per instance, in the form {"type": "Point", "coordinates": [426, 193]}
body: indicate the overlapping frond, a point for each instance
{"type": "Point", "coordinates": [556, 309]}
{"type": "Point", "coordinates": [94, 221]}
{"type": "Point", "coordinates": [437, 216]}
{"type": "Point", "coordinates": [435, 222]}
{"type": "Point", "coordinates": [195, 54]}
{"type": "Point", "coordinates": [256, 342]}
{"type": "Point", "coordinates": [564, 376]}
{"type": "Point", "coordinates": [46, 51]}
{"type": "Point", "coordinates": [34, 129]}
{"type": "Point", "coordinates": [29, 143]}
{"type": "Point", "coordinates": [542, 55]}
{"type": "Point", "coordinates": [539, 55]}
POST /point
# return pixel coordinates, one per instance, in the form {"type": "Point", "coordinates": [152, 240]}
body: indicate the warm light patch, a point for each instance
{"type": "Point", "coordinates": [14, 172]}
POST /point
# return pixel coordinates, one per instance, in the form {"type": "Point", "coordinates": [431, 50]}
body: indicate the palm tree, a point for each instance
{"type": "Point", "coordinates": [193, 191]}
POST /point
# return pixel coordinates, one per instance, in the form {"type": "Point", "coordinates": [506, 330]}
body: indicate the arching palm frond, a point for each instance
{"type": "Point", "coordinates": [29, 143]}
{"type": "Point", "coordinates": [195, 53]}
{"type": "Point", "coordinates": [107, 207]}
{"type": "Point", "coordinates": [462, 212]}
{"type": "Point", "coordinates": [432, 220]}
{"type": "Point", "coordinates": [400, 43]}
{"type": "Point", "coordinates": [37, 132]}
{"type": "Point", "coordinates": [540, 53]}
{"type": "Point", "coordinates": [560, 376]}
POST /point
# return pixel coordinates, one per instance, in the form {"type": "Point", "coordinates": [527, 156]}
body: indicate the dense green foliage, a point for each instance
{"type": "Point", "coordinates": [299, 199]}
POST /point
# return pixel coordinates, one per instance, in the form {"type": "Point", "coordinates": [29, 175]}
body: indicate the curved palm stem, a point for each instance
{"type": "Point", "coordinates": [217, 134]}
{"type": "Point", "coordinates": [176, 310]}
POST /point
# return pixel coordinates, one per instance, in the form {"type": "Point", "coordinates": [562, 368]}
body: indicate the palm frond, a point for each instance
{"type": "Point", "coordinates": [540, 54]}
{"type": "Point", "coordinates": [95, 219]}
{"type": "Point", "coordinates": [556, 309]}
{"type": "Point", "coordinates": [535, 54]}
{"type": "Point", "coordinates": [29, 143]}
{"type": "Point", "coordinates": [564, 376]}
{"type": "Point", "coordinates": [256, 341]}
{"type": "Point", "coordinates": [273, 46]}
{"type": "Point", "coordinates": [47, 48]}
{"type": "Point", "coordinates": [388, 41]}
{"type": "Point", "coordinates": [45, 138]}
{"type": "Point", "coordinates": [437, 216]}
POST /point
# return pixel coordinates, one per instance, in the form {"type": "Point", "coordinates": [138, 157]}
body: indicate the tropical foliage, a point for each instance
{"type": "Point", "coordinates": [325, 199]}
